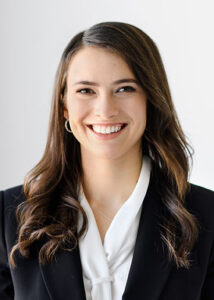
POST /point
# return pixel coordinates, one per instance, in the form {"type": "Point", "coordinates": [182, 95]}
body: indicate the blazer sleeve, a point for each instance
{"type": "Point", "coordinates": [6, 284]}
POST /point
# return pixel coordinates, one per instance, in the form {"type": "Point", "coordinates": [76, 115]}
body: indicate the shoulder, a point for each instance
{"type": "Point", "coordinates": [199, 196]}
{"type": "Point", "coordinates": [200, 202]}
{"type": "Point", "coordinates": [12, 196]}
{"type": "Point", "coordinates": [13, 191]}
{"type": "Point", "coordinates": [9, 200]}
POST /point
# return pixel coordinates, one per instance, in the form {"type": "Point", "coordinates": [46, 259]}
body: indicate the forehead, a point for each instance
{"type": "Point", "coordinates": [97, 61]}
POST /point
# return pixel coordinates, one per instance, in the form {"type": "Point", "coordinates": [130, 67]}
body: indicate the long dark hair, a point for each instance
{"type": "Point", "coordinates": [50, 212]}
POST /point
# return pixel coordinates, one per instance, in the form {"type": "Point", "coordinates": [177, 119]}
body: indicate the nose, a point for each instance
{"type": "Point", "coordinates": [106, 106]}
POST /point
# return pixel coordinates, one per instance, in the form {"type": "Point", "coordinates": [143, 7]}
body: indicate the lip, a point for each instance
{"type": "Point", "coordinates": [105, 124]}
{"type": "Point", "coordinates": [109, 136]}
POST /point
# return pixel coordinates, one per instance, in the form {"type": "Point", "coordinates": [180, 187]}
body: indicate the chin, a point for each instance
{"type": "Point", "coordinates": [108, 155]}
{"type": "Point", "coordinates": [103, 153]}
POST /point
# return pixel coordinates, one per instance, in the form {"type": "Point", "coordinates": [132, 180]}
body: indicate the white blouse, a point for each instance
{"type": "Point", "coordinates": [106, 266]}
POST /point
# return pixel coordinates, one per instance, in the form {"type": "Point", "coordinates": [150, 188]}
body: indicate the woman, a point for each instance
{"type": "Point", "coordinates": [108, 212]}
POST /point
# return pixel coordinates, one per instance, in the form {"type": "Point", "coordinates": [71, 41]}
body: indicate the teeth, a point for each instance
{"type": "Point", "coordinates": [106, 129]}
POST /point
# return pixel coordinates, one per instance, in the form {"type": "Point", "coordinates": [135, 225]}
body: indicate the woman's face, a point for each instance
{"type": "Point", "coordinates": [103, 95]}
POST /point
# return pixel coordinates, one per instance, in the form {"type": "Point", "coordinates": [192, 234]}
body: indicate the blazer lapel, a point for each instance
{"type": "Point", "coordinates": [150, 268]}
{"type": "Point", "coordinates": [63, 277]}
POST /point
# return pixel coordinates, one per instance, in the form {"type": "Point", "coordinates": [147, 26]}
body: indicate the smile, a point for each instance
{"type": "Point", "coordinates": [106, 132]}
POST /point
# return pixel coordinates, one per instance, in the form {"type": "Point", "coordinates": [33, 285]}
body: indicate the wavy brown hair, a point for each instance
{"type": "Point", "coordinates": [50, 212]}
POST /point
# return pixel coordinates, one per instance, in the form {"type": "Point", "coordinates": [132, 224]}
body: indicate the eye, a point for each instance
{"type": "Point", "coordinates": [85, 91]}
{"type": "Point", "coordinates": [128, 89]}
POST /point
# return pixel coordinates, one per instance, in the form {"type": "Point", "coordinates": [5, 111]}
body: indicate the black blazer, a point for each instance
{"type": "Point", "coordinates": [151, 277]}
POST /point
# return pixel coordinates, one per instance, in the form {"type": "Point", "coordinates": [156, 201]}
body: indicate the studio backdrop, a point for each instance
{"type": "Point", "coordinates": [33, 35]}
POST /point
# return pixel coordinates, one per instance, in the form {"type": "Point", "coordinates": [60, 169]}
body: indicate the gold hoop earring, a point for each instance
{"type": "Point", "coordinates": [66, 126]}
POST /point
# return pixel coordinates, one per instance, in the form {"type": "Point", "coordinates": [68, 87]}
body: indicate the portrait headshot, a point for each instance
{"type": "Point", "coordinates": [106, 203]}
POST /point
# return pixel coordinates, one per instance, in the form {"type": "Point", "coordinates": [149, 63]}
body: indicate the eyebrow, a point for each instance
{"type": "Point", "coordinates": [124, 80]}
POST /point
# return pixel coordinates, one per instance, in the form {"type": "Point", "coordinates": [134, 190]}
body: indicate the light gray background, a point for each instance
{"type": "Point", "coordinates": [33, 35]}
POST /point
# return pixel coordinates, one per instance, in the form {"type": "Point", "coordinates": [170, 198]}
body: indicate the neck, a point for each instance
{"type": "Point", "coordinates": [110, 181]}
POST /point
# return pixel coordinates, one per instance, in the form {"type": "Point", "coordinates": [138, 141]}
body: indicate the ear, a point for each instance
{"type": "Point", "coordinates": [65, 113]}
{"type": "Point", "coordinates": [65, 110]}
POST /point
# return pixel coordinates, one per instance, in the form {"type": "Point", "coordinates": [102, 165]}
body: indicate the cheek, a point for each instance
{"type": "Point", "coordinates": [76, 110]}
{"type": "Point", "coordinates": [143, 108]}
{"type": "Point", "coordinates": [138, 110]}
{"type": "Point", "coordinates": [77, 117]}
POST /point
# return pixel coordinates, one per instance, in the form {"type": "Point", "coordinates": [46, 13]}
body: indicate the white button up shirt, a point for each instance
{"type": "Point", "coordinates": [106, 266]}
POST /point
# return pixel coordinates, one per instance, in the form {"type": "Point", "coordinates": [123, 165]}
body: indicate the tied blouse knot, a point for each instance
{"type": "Point", "coordinates": [106, 266]}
